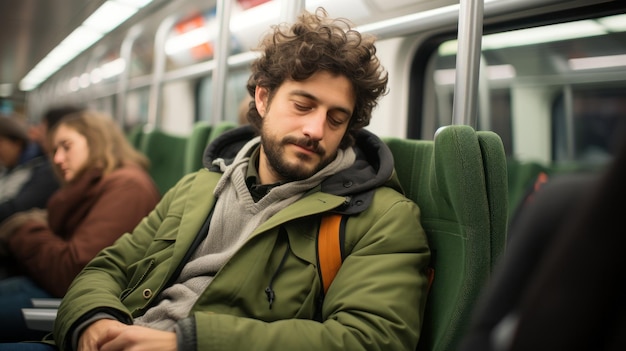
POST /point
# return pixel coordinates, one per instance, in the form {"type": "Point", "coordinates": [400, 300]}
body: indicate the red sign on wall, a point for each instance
{"type": "Point", "coordinates": [203, 50]}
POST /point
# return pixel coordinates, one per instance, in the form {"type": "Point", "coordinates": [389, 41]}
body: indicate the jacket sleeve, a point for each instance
{"type": "Point", "coordinates": [97, 289]}
{"type": "Point", "coordinates": [53, 261]}
{"type": "Point", "coordinates": [34, 193]}
{"type": "Point", "coordinates": [376, 301]}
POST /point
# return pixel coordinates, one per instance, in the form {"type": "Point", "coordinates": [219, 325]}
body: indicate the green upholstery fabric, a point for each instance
{"type": "Point", "coordinates": [166, 154]}
{"type": "Point", "coordinates": [459, 182]}
{"type": "Point", "coordinates": [135, 134]}
{"type": "Point", "coordinates": [220, 128]}
{"type": "Point", "coordinates": [496, 179]}
{"type": "Point", "coordinates": [197, 143]}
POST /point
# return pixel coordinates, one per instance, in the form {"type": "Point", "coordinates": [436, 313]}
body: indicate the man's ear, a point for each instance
{"type": "Point", "coordinates": [260, 99]}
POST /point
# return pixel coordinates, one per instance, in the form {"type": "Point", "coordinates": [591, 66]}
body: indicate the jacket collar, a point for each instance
{"type": "Point", "coordinates": [373, 168]}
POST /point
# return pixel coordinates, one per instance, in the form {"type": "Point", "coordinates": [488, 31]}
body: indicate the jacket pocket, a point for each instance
{"type": "Point", "coordinates": [165, 236]}
{"type": "Point", "coordinates": [293, 281]}
{"type": "Point", "coordinates": [142, 270]}
{"type": "Point", "coordinates": [160, 250]}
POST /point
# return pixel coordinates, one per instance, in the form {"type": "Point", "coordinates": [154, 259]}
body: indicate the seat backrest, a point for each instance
{"type": "Point", "coordinates": [220, 128]}
{"type": "Point", "coordinates": [166, 154]}
{"type": "Point", "coordinates": [496, 182]}
{"type": "Point", "coordinates": [459, 182]}
{"type": "Point", "coordinates": [135, 134]}
{"type": "Point", "coordinates": [197, 143]}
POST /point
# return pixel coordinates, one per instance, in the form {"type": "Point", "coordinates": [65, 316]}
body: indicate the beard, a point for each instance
{"type": "Point", "coordinates": [274, 150]}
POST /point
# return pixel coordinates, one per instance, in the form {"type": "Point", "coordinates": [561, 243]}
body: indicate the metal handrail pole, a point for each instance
{"type": "Point", "coordinates": [222, 51]}
{"type": "Point", "coordinates": [122, 86]}
{"type": "Point", "coordinates": [158, 70]}
{"type": "Point", "coordinates": [470, 33]}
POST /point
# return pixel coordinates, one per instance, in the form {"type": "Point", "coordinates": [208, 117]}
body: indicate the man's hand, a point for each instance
{"type": "Point", "coordinates": [111, 335]}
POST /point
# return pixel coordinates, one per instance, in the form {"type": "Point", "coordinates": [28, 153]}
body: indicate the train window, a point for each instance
{"type": "Point", "coordinates": [595, 114]}
{"type": "Point", "coordinates": [553, 93]}
{"type": "Point", "coordinates": [107, 67]}
{"type": "Point", "coordinates": [191, 40]}
{"type": "Point", "coordinates": [178, 108]}
{"type": "Point", "coordinates": [136, 108]}
{"type": "Point", "coordinates": [142, 56]}
{"type": "Point", "coordinates": [104, 104]}
{"type": "Point", "coordinates": [235, 94]}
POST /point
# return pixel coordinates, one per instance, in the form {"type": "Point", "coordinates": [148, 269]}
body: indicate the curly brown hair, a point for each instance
{"type": "Point", "coordinates": [317, 43]}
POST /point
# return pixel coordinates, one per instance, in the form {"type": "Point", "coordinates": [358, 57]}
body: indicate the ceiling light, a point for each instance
{"type": "Point", "coordinates": [106, 18]}
{"type": "Point", "coordinates": [496, 72]}
{"type": "Point", "coordinates": [538, 35]}
{"type": "Point", "coordinates": [187, 40]}
{"type": "Point", "coordinates": [615, 23]}
{"type": "Point", "coordinates": [80, 39]}
{"type": "Point", "coordinates": [138, 4]}
{"type": "Point", "coordinates": [597, 62]}
{"type": "Point", "coordinates": [556, 32]}
{"type": "Point", "coordinates": [113, 68]}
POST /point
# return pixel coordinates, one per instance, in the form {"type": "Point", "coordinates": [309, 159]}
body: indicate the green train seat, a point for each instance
{"type": "Point", "coordinates": [459, 181]}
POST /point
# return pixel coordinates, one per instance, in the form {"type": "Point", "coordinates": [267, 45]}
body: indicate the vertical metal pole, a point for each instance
{"type": "Point", "coordinates": [222, 51]}
{"type": "Point", "coordinates": [483, 108]}
{"type": "Point", "coordinates": [290, 9]}
{"type": "Point", "coordinates": [158, 71]}
{"type": "Point", "coordinates": [470, 33]}
{"type": "Point", "coordinates": [126, 52]}
{"type": "Point", "coordinates": [568, 102]}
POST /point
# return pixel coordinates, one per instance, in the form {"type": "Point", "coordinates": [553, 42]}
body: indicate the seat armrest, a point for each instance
{"type": "Point", "coordinates": [46, 303]}
{"type": "Point", "coordinates": [39, 318]}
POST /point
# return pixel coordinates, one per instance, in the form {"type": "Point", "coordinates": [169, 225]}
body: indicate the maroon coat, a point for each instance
{"type": "Point", "coordinates": [83, 218]}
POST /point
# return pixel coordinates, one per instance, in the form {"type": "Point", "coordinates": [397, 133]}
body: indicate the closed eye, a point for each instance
{"type": "Point", "coordinates": [65, 145]}
{"type": "Point", "coordinates": [335, 122]}
{"type": "Point", "coordinates": [301, 107]}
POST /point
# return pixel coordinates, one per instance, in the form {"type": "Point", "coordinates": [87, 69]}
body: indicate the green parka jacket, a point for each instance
{"type": "Point", "coordinates": [375, 302]}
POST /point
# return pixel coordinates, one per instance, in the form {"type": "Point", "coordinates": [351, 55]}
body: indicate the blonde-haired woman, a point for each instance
{"type": "Point", "coordinates": [106, 192]}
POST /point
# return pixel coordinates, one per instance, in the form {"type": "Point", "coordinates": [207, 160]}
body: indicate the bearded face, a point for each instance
{"type": "Point", "coordinates": [303, 125]}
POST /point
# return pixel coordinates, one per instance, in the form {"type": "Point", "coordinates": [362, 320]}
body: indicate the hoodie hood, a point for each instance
{"type": "Point", "coordinates": [374, 166]}
{"type": "Point", "coordinates": [227, 145]}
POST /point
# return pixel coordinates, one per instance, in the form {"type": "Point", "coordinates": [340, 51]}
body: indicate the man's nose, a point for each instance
{"type": "Point", "coordinates": [315, 124]}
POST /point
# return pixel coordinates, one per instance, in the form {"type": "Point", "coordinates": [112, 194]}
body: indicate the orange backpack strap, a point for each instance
{"type": "Point", "coordinates": [329, 243]}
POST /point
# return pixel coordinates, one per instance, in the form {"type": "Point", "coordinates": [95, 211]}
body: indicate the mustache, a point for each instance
{"type": "Point", "coordinates": [306, 143]}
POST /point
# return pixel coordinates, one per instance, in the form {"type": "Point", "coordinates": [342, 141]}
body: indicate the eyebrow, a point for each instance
{"type": "Point", "coordinates": [312, 97]}
{"type": "Point", "coordinates": [62, 141]}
